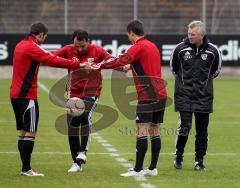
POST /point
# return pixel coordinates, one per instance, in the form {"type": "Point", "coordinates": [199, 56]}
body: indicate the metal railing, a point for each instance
{"type": "Point", "coordinates": [110, 16]}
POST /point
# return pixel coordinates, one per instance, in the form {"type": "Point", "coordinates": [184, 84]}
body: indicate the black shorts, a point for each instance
{"type": "Point", "coordinates": [150, 112]}
{"type": "Point", "coordinates": [26, 114]}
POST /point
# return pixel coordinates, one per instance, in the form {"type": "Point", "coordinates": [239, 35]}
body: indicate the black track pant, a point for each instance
{"type": "Point", "coordinates": [201, 141]}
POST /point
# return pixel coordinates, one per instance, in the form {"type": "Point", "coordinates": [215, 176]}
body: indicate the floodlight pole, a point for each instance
{"type": "Point", "coordinates": [204, 12]}
{"type": "Point", "coordinates": [65, 16]}
{"type": "Point", "coordinates": [135, 9]}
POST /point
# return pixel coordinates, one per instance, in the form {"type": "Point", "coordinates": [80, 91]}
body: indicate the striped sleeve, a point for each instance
{"type": "Point", "coordinates": [217, 62]}
{"type": "Point", "coordinates": [174, 60]}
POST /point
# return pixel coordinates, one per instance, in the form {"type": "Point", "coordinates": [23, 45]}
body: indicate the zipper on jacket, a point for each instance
{"type": "Point", "coordinates": [182, 73]}
{"type": "Point", "coordinates": [197, 51]}
{"type": "Point", "coordinates": [208, 75]}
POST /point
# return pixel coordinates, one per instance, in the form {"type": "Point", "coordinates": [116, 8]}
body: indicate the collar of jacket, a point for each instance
{"type": "Point", "coordinates": [203, 46]}
{"type": "Point", "coordinates": [142, 38]}
{"type": "Point", "coordinates": [33, 39]}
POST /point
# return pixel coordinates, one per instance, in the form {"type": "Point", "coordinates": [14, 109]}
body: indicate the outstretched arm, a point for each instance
{"type": "Point", "coordinates": [40, 55]}
{"type": "Point", "coordinates": [129, 57]}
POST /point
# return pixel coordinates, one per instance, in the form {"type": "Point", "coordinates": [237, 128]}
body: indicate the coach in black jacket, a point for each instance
{"type": "Point", "coordinates": [194, 63]}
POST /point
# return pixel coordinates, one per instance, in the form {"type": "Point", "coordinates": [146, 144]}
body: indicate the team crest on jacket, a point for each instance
{"type": "Point", "coordinates": [204, 56]}
{"type": "Point", "coordinates": [90, 60]}
{"type": "Point", "coordinates": [187, 56]}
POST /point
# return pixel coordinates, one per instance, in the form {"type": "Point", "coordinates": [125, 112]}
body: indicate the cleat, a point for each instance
{"type": "Point", "coordinates": [75, 168]}
{"type": "Point", "coordinates": [199, 166]}
{"type": "Point", "coordinates": [178, 163]}
{"type": "Point", "coordinates": [81, 158]}
{"type": "Point", "coordinates": [131, 169]}
{"type": "Point", "coordinates": [31, 172]}
{"type": "Point", "coordinates": [148, 172]}
{"type": "Point", "coordinates": [132, 173]}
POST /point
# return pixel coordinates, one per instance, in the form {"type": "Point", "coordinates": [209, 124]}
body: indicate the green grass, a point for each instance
{"type": "Point", "coordinates": [103, 170]}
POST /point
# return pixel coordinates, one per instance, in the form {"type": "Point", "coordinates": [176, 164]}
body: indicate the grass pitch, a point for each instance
{"type": "Point", "coordinates": [51, 153]}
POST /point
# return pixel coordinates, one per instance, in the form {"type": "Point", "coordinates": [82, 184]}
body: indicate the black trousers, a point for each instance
{"type": "Point", "coordinates": [201, 137]}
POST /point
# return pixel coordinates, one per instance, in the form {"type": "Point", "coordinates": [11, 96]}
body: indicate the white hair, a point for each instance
{"type": "Point", "coordinates": [198, 24]}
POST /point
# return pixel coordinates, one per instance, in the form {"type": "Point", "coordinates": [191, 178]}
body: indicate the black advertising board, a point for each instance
{"type": "Point", "coordinates": [229, 45]}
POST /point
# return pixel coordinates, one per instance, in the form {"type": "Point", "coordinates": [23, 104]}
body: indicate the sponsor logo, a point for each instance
{"type": "Point", "coordinates": [204, 56]}
{"type": "Point", "coordinates": [90, 60]}
{"type": "Point", "coordinates": [167, 50]}
{"type": "Point", "coordinates": [114, 49]}
{"type": "Point", "coordinates": [3, 51]}
{"type": "Point", "coordinates": [187, 56]}
{"type": "Point", "coordinates": [230, 51]}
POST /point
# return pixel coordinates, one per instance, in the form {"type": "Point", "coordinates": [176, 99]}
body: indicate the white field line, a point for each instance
{"type": "Point", "coordinates": [43, 87]}
{"type": "Point", "coordinates": [169, 122]}
{"type": "Point", "coordinates": [46, 89]}
{"type": "Point", "coordinates": [111, 151]}
{"type": "Point", "coordinates": [147, 185]}
{"type": "Point", "coordinates": [119, 159]}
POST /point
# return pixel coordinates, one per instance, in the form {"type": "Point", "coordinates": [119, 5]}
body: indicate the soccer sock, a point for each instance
{"type": "Point", "coordinates": [84, 141]}
{"type": "Point", "coordinates": [74, 144]}
{"type": "Point", "coordinates": [85, 136]}
{"type": "Point", "coordinates": [156, 147]}
{"type": "Point", "coordinates": [141, 147]}
{"type": "Point", "coordinates": [25, 147]}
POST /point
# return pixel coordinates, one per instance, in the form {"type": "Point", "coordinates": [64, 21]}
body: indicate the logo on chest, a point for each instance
{"type": "Point", "coordinates": [187, 56]}
{"type": "Point", "coordinates": [204, 56]}
{"type": "Point", "coordinates": [90, 60]}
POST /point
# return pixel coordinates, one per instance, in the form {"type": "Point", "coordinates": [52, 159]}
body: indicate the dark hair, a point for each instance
{"type": "Point", "coordinates": [37, 28]}
{"type": "Point", "coordinates": [81, 35]}
{"type": "Point", "coordinates": [136, 27]}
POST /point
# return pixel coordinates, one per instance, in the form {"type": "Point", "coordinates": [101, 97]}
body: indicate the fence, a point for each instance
{"type": "Point", "coordinates": [111, 17]}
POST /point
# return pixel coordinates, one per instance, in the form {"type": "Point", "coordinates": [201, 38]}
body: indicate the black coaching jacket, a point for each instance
{"type": "Point", "coordinates": [194, 69]}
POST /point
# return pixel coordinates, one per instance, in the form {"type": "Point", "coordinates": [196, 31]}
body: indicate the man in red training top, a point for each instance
{"type": "Point", "coordinates": [23, 92]}
{"type": "Point", "coordinates": [144, 58]}
{"type": "Point", "coordinates": [84, 85]}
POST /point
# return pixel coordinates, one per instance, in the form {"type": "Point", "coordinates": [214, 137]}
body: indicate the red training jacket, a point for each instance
{"type": "Point", "coordinates": [145, 61]}
{"type": "Point", "coordinates": [26, 60]}
{"type": "Point", "coordinates": [81, 83]}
